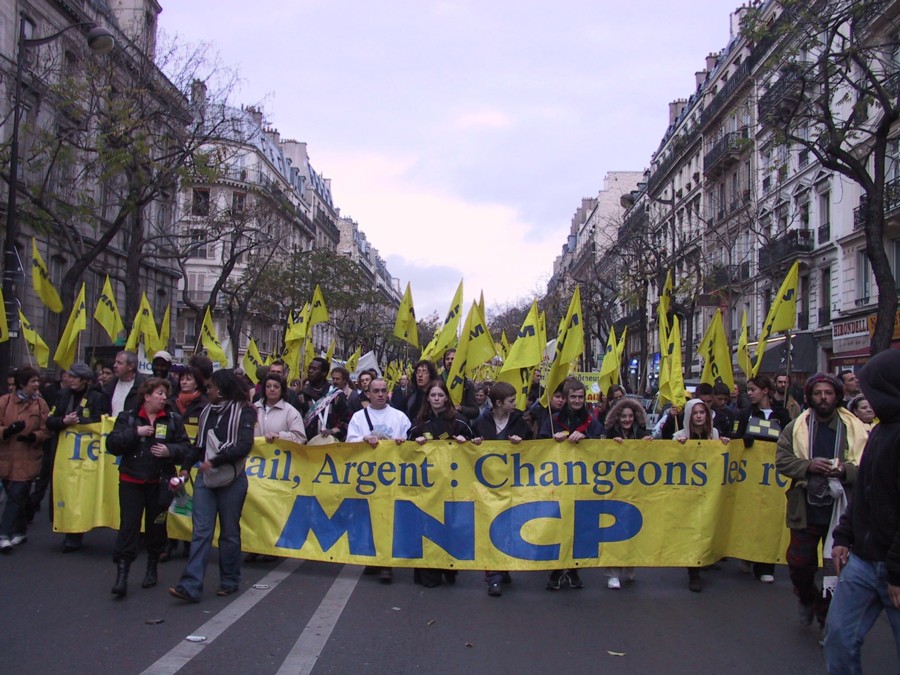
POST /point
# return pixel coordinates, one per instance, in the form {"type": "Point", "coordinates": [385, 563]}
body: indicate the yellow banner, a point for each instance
{"type": "Point", "coordinates": [537, 505]}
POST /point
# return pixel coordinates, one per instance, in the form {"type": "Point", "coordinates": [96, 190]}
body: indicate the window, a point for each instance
{"type": "Point", "coordinates": [238, 200]}
{"type": "Point", "coordinates": [862, 277]}
{"type": "Point", "coordinates": [825, 208]}
{"type": "Point", "coordinates": [200, 246]}
{"type": "Point", "coordinates": [200, 202]}
{"type": "Point", "coordinates": [825, 298]}
{"type": "Point", "coordinates": [803, 210]}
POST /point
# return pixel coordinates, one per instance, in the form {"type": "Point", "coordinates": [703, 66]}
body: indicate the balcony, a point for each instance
{"type": "Point", "coordinates": [824, 316]}
{"type": "Point", "coordinates": [735, 83]}
{"type": "Point", "coordinates": [724, 276]}
{"type": "Point", "coordinates": [679, 148]}
{"type": "Point", "coordinates": [197, 297]}
{"type": "Point", "coordinates": [787, 246]}
{"type": "Point", "coordinates": [824, 233]}
{"type": "Point", "coordinates": [781, 101]}
{"type": "Point", "coordinates": [726, 151]}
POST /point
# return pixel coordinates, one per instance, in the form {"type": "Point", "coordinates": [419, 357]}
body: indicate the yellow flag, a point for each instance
{"type": "Point", "coordinates": [447, 338]}
{"type": "Point", "coordinates": [743, 352]}
{"type": "Point", "coordinates": [569, 346]}
{"type": "Point", "coordinates": [298, 324]}
{"type": "Point", "coordinates": [107, 312]}
{"type": "Point", "coordinates": [318, 312]}
{"type": "Point", "coordinates": [251, 361]}
{"type": "Point", "coordinates": [782, 315]}
{"type": "Point", "coordinates": [144, 326]}
{"type": "Point", "coordinates": [291, 357]}
{"type": "Point", "coordinates": [475, 347]}
{"type": "Point", "coordinates": [209, 340]}
{"type": "Point", "coordinates": [4, 325]}
{"type": "Point", "coordinates": [504, 342]}
{"type": "Point", "coordinates": [162, 342]}
{"type": "Point", "coordinates": [68, 342]}
{"type": "Point", "coordinates": [353, 360]}
{"type": "Point", "coordinates": [481, 306]}
{"type": "Point", "coordinates": [671, 378]}
{"type": "Point", "coordinates": [610, 367]}
{"type": "Point", "coordinates": [330, 353]}
{"type": "Point", "coordinates": [429, 351]}
{"type": "Point", "coordinates": [405, 326]}
{"type": "Point", "coordinates": [620, 349]}
{"type": "Point", "coordinates": [40, 276]}
{"type": "Point", "coordinates": [665, 298]}
{"type": "Point", "coordinates": [523, 356]}
{"type": "Point", "coordinates": [716, 354]}
{"type": "Point", "coordinates": [38, 346]}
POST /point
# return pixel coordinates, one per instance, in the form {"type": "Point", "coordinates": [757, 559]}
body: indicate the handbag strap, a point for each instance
{"type": "Point", "coordinates": [368, 419]}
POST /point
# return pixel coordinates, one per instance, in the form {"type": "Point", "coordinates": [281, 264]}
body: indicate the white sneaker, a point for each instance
{"type": "Point", "coordinates": [613, 583]}
{"type": "Point", "coordinates": [5, 545]}
{"type": "Point", "coordinates": [767, 578]}
{"type": "Point", "coordinates": [18, 539]}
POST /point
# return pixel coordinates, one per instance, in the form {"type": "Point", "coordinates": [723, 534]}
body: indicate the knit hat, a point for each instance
{"type": "Point", "coordinates": [82, 370]}
{"type": "Point", "coordinates": [827, 378]}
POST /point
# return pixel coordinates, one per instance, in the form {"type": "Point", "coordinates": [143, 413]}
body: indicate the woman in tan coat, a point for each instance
{"type": "Point", "coordinates": [23, 430]}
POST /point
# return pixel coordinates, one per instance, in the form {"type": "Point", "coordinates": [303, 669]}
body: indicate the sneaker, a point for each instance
{"type": "Point", "coordinates": [18, 539]}
{"type": "Point", "coordinates": [574, 579]}
{"type": "Point", "coordinates": [806, 613]}
{"type": "Point", "coordinates": [614, 583]}
{"type": "Point", "coordinates": [767, 578]}
{"type": "Point", "coordinates": [555, 580]}
{"type": "Point", "coordinates": [7, 547]}
{"type": "Point", "coordinates": [494, 591]}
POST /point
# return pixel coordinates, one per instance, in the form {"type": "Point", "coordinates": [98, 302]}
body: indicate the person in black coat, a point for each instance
{"type": "Point", "coordinates": [438, 421]}
{"type": "Point", "coordinates": [424, 374]}
{"type": "Point", "coordinates": [150, 439]}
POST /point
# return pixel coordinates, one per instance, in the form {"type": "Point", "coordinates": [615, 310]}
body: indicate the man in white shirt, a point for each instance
{"type": "Point", "coordinates": [382, 421]}
{"type": "Point", "coordinates": [372, 424]}
{"type": "Point", "coordinates": [122, 389]}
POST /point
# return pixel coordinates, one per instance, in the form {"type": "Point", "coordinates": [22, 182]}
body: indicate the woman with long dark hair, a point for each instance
{"type": "Point", "coordinates": [224, 440]}
{"type": "Point", "coordinates": [438, 420]}
{"type": "Point", "coordinates": [424, 374]}
{"type": "Point", "coordinates": [150, 439]}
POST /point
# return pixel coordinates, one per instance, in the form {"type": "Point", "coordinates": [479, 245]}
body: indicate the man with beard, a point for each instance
{"type": "Point", "coordinates": [324, 407]}
{"type": "Point", "coordinates": [867, 541]}
{"type": "Point", "coordinates": [819, 451]}
{"type": "Point", "coordinates": [782, 396]}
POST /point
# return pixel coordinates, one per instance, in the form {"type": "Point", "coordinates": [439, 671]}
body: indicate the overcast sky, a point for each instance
{"type": "Point", "coordinates": [462, 134]}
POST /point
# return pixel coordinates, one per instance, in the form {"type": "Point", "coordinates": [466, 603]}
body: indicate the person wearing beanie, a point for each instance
{"type": "Point", "coordinates": [867, 540]}
{"type": "Point", "coordinates": [819, 451]}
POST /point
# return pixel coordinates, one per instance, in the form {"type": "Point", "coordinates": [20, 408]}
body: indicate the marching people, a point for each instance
{"type": "Point", "coordinates": [697, 426]}
{"type": "Point", "coordinates": [781, 396]}
{"type": "Point", "coordinates": [438, 420]}
{"type": "Point", "coordinates": [761, 421]}
{"type": "Point", "coordinates": [78, 403]}
{"type": "Point", "coordinates": [503, 422]}
{"type": "Point", "coordinates": [424, 373]}
{"type": "Point", "coordinates": [866, 539]}
{"type": "Point", "coordinates": [467, 407]}
{"type": "Point", "coordinates": [819, 451]}
{"type": "Point", "coordinates": [401, 393]}
{"type": "Point", "coordinates": [324, 406]}
{"type": "Point", "coordinates": [151, 440]}
{"type": "Point", "coordinates": [860, 406]}
{"type": "Point", "coordinates": [373, 424]}
{"type": "Point", "coordinates": [23, 430]}
{"type": "Point", "coordinates": [122, 389]}
{"type": "Point", "coordinates": [572, 423]}
{"type": "Point", "coordinates": [224, 440]}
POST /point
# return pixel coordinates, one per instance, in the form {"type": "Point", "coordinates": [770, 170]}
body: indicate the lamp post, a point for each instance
{"type": "Point", "coordinates": [99, 40]}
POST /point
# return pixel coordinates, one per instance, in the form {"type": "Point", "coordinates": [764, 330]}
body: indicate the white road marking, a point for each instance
{"type": "Point", "coordinates": [179, 657]}
{"type": "Point", "coordinates": [312, 640]}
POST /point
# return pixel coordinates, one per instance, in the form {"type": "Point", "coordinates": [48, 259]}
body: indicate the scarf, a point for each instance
{"type": "Point", "coordinates": [231, 410]}
{"type": "Point", "coordinates": [185, 399]}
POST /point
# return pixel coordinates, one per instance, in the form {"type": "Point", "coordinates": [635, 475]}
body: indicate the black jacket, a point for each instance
{"type": "Point", "coordinates": [779, 414]}
{"type": "Point", "coordinates": [234, 454]}
{"type": "Point", "coordinates": [440, 428]}
{"type": "Point", "coordinates": [90, 405]}
{"type": "Point", "coordinates": [137, 460]}
{"type": "Point", "coordinates": [338, 416]}
{"type": "Point", "coordinates": [485, 427]}
{"type": "Point", "coordinates": [871, 524]}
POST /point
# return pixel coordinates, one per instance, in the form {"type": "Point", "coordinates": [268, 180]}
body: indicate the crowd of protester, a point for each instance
{"type": "Point", "coordinates": [820, 429]}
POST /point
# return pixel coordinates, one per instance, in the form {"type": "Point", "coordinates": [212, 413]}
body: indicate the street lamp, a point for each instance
{"type": "Point", "coordinates": [100, 41]}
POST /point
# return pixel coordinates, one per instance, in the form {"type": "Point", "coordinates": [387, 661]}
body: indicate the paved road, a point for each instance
{"type": "Point", "coordinates": [59, 617]}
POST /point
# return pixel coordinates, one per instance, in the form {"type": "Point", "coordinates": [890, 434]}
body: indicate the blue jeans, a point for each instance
{"type": "Point", "coordinates": [226, 503]}
{"type": "Point", "coordinates": [860, 597]}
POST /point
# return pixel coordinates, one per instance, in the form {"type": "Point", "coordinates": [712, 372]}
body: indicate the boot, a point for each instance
{"type": "Point", "coordinates": [120, 588]}
{"type": "Point", "coordinates": [150, 577]}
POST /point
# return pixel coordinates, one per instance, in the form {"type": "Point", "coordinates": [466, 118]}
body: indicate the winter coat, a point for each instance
{"type": "Point", "coordinates": [485, 427]}
{"type": "Point", "coordinates": [90, 405]}
{"type": "Point", "coordinates": [685, 432]}
{"type": "Point", "coordinates": [282, 419]}
{"type": "Point", "coordinates": [137, 460]}
{"type": "Point", "coordinates": [435, 428]}
{"type": "Point", "coordinates": [613, 428]}
{"type": "Point", "coordinates": [20, 461]}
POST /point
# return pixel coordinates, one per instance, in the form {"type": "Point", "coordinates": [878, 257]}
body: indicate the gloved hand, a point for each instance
{"type": "Point", "coordinates": [13, 428]}
{"type": "Point", "coordinates": [28, 438]}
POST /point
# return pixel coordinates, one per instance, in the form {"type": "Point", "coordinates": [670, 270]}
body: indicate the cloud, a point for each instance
{"type": "Point", "coordinates": [433, 236]}
{"type": "Point", "coordinates": [483, 119]}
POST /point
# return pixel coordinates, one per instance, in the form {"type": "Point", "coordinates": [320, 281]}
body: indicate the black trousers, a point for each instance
{"type": "Point", "coordinates": [137, 500]}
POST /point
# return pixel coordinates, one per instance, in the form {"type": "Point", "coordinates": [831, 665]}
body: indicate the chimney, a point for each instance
{"type": "Point", "coordinates": [256, 115]}
{"type": "Point", "coordinates": [711, 60]}
{"type": "Point", "coordinates": [700, 77]}
{"type": "Point", "coordinates": [675, 109]}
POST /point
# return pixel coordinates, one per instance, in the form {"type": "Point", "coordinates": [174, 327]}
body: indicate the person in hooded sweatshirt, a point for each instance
{"type": "Point", "coordinates": [698, 426]}
{"type": "Point", "coordinates": [866, 549]}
